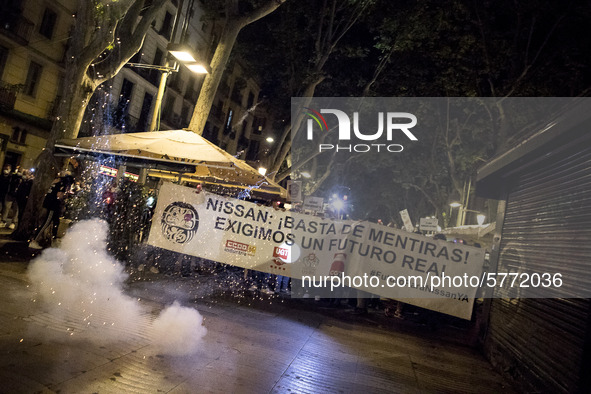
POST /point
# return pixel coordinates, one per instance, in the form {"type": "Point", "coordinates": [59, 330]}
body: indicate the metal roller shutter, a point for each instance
{"type": "Point", "coordinates": [547, 228]}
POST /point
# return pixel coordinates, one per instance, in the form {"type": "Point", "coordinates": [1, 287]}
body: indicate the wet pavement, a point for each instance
{"type": "Point", "coordinates": [254, 344]}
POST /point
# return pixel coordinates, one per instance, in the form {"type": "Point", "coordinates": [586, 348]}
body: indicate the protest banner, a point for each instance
{"type": "Point", "coordinates": [305, 247]}
{"type": "Point", "coordinates": [294, 191]}
{"type": "Point", "coordinates": [406, 221]}
{"type": "Point", "coordinates": [428, 224]}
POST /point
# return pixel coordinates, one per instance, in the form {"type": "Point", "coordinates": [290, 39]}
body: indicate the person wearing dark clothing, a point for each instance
{"type": "Point", "coordinates": [52, 204]}
{"type": "Point", "coordinates": [4, 183]}
{"type": "Point", "coordinates": [9, 210]}
{"type": "Point", "coordinates": [23, 191]}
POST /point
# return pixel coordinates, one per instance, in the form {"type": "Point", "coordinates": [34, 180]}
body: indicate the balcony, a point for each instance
{"type": "Point", "coordinates": [132, 124]}
{"type": "Point", "coordinates": [176, 83]}
{"type": "Point", "coordinates": [152, 76]}
{"type": "Point", "coordinates": [224, 89]}
{"type": "Point", "coordinates": [216, 113]}
{"type": "Point", "coordinates": [191, 95]}
{"type": "Point", "coordinates": [172, 119]}
{"type": "Point", "coordinates": [236, 96]}
{"type": "Point", "coordinates": [8, 95]}
{"type": "Point", "coordinates": [16, 27]}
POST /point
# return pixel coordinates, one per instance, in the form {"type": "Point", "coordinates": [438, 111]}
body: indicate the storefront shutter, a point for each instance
{"type": "Point", "coordinates": [547, 229]}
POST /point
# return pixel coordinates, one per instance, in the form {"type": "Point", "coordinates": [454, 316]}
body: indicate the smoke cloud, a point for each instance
{"type": "Point", "coordinates": [81, 286]}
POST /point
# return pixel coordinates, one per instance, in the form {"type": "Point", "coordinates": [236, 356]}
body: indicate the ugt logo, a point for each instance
{"type": "Point", "coordinates": [392, 120]}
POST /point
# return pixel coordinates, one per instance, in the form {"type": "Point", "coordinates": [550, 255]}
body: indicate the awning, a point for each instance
{"type": "Point", "coordinates": [171, 152]}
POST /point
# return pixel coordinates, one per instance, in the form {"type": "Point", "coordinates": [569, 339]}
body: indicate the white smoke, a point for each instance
{"type": "Point", "coordinates": [80, 286]}
{"type": "Point", "coordinates": [182, 322]}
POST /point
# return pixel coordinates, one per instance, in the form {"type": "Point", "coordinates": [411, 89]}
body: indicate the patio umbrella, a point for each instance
{"type": "Point", "coordinates": [171, 153]}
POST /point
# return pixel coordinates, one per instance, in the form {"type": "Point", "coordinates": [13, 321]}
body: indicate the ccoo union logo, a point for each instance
{"type": "Point", "coordinates": [389, 123]}
{"type": "Point", "coordinates": [179, 222]}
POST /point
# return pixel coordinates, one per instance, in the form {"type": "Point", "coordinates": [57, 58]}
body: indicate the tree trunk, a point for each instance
{"type": "Point", "coordinates": [77, 94]}
{"type": "Point", "coordinates": [234, 22]}
{"type": "Point", "coordinates": [284, 143]}
{"type": "Point", "coordinates": [503, 125]}
{"type": "Point", "coordinates": [212, 81]}
{"type": "Point", "coordinates": [119, 19]}
{"type": "Point", "coordinates": [78, 90]}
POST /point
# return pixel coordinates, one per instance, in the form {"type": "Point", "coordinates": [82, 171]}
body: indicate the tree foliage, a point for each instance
{"type": "Point", "coordinates": [431, 48]}
{"type": "Point", "coordinates": [233, 15]}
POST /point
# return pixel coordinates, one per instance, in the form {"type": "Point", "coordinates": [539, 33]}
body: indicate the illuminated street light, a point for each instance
{"type": "Point", "coordinates": [197, 68]}
{"type": "Point", "coordinates": [455, 205]}
{"type": "Point", "coordinates": [306, 174]}
{"type": "Point", "coordinates": [270, 139]}
{"type": "Point", "coordinates": [182, 53]}
{"type": "Point", "coordinates": [338, 204]}
{"type": "Point", "coordinates": [262, 171]}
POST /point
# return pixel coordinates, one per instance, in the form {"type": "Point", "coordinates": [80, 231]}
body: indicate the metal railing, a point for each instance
{"type": "Point", "coordinates": [8, 94]}
{"type": "Point", "coordinates": [16, 27]}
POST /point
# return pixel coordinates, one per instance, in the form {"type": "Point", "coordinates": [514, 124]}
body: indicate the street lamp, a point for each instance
{"type": "Point", "coordinates": [183, 54]}
{"type": "Point", "coordinates": [459, 217]}
{"type": "Point", "coordinates": [462, 214]}
{"type": "Point", "coordinates": [338, 205]}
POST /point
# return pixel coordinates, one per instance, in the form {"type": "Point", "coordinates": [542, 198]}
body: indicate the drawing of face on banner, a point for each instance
{"type": "Point", "coordinates": [179, 222]}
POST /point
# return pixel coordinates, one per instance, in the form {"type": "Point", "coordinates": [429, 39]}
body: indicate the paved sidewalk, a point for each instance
{"type": "Point", "coordinates": [253, 345]}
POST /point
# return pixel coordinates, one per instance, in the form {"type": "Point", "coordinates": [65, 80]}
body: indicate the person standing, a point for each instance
{"type": "Point", "coordinates": [22, 194]}
{"type": "Point", "coordinates": [53, 204]}
{"type": "Point", "coordinates": [4, 183]}
{"type": "Point", "coordinates": [10, 208]}
{"type": "Point", "coordinates": [373, 217]}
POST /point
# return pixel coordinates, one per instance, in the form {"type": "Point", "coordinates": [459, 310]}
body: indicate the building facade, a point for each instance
{"type": "Point", "coordinates": [33, 41]}
{"type": "Point", "coordinates": [239, 121]}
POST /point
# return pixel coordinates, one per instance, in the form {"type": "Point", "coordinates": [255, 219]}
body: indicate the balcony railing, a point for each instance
{"type": "Point", "coordinates": [191, 95]}
{"type": "Point", "coordinates": [8, 94]}
{"type": "Point", "coordinates": [152, 76]}
{"type": "Point", "coordinates": [176, 83]}
{"type": "Point", "coordinates": [16, 27]}
{"type": "Point", "coordinates": [216, 112]}
{"type": "Point", "coordinates": [172, 119]}
{"type": "Point", "coordinates": [224, 89]}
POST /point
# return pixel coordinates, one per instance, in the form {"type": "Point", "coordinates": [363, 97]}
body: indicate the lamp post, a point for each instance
{"type": "Point", "coordinates": [183, 54]}
{"type": "Point", "coordinates": [192, 64]}
{"type": "Point", "coordinates": [264, 156]}
{"type": "Point", "coordinates": [461, 218]}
